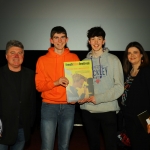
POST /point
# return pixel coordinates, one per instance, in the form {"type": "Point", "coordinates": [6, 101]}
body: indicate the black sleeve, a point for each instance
{"type": "Point", "coordinates": [33, 101]}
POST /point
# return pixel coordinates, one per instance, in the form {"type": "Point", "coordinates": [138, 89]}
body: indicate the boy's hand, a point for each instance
{"type": "Point", "coordinates": [62, 81]}
{"type": "Point", "coordinates": [71, 102]}
{"type": "Point", "coordinates": [85, 100]}
{"type": "Point", "coordinates": [92, 99]}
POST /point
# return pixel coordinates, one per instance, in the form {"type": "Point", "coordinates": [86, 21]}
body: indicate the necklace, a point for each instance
{"type": "Point", "coordinates": [134, 73]}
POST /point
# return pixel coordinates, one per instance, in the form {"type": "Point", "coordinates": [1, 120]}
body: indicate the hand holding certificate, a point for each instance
{"type": "Point", "coordinates": [145, 121]}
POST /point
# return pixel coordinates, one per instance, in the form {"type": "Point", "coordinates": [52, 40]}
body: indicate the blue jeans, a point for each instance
{"type": "Point", "coordinates": [18, 145]}
{"type": "Point", "coordinates": [51, 115]}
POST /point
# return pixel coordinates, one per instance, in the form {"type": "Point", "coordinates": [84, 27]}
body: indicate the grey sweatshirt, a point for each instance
{"type": "Point", "coordinates": [108, 83]}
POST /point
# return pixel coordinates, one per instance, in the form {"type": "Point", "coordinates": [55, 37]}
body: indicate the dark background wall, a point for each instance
{"type": "Point", "coordinates": [31, 56]}
{"type": "Point", "coordinates": [30, 60]}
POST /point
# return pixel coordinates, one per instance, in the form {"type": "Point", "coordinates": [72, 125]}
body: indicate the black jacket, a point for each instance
{"type": "Point", "coordinates": [9, 109]}
{"type": "Point", "coordinates": [138, 97]}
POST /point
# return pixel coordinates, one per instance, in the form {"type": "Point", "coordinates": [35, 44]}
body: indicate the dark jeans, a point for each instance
{"type": "Point", "coordinates": [18, 145]}
{"type": "Point", "coordinates": [108, 123]}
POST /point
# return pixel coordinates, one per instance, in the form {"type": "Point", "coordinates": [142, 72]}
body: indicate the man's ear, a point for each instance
{"type": "Point", "coordinates": [51, 41]}
{"type": "Point", "coordinates": [6, 56]}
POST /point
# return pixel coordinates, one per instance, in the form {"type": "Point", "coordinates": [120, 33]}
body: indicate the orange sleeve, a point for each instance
{"type": "Point", "coordinates": [42, 81]}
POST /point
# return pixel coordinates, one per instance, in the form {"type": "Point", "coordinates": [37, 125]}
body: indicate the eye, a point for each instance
{"type": "Point", "coordinates": [12, 52]}
{"type": "Point", "coordinates": [20, 53]}
{"type": "Point", "coordinates": [63, 37]}
{"type": "Point", "coordinates": [55, 37]}
{"type": "Point", "coordinates": [135, 52]}
{"type": "Point", "coordinates": [128, 53]}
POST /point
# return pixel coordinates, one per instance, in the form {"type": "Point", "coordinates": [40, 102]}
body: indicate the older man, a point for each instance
{"type": "Point", "coordinates": [17, 98]}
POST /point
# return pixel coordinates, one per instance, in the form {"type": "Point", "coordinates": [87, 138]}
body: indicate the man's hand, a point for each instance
{"type": "Point", "coordinates": [62, 81]}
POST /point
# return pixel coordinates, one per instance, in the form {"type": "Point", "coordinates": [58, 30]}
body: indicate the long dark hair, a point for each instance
{"type": "Point", "coordinates": [126, 64]}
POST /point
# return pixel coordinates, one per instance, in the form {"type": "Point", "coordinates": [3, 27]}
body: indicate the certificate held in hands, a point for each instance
{"type": "Point", "coordinates": [80, 76]}
{"type": "Point", "coordinates": [143, 117]}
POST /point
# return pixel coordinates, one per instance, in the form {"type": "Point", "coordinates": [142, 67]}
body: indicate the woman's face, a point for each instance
{"type": "Point", "coordinates": [134, 56]}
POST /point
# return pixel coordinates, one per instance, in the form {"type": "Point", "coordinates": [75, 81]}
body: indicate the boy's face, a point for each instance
{"type": "Point", "coordinates": [96, 43]}
{"type": "Point", "coordinates": [59, 40]}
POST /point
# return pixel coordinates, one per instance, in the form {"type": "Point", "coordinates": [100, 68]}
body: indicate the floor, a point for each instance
{"type": "Point", "coordinates": [78, 140]}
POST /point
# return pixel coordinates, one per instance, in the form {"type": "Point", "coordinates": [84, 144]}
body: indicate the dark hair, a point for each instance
{"type": "Point", "coordinates": [96, 31]}
{"type": "Point", "coordinates": [126, 64]}
{"type": "Point", "coordinates": [58, 29]}
{"type": "Point", "coordinates": [15, 43]}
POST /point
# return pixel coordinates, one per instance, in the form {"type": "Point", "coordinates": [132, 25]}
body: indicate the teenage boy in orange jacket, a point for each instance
{"type": "Point", "coordinates": [51, 82]}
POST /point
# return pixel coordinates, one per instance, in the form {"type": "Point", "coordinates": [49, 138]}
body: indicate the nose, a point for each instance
{"type": "Point", "coordinates": [96, 41]}
{"type": "Point", "coordinates": [16, 55]}
{"type": "Point", "coordinates": [59, 40]}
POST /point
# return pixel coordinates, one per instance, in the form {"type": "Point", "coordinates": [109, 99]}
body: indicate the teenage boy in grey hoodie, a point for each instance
{"type": "Point", "coordinates": [100, 109]}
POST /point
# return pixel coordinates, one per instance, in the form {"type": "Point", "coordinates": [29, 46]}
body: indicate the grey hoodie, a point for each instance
{"type": "Point", "coordinates": [108, 83]}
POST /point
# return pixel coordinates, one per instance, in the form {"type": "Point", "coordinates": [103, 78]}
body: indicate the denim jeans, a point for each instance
{"type": "Point", "coordinates": [18, 145]}
{"type": "Point", "coordinates": [51, 115]}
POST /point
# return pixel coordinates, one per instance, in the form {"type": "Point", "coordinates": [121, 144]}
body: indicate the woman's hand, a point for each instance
{"type": "Point", "coordinates": [148, 128]}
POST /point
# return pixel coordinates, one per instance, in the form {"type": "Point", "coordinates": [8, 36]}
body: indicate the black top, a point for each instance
{"type": "Point", "coordinates": [138, 96]}
{"type": "Point", "coordinates": [127, 85]}
{"type": "Point", "coordinates": [16, 80]}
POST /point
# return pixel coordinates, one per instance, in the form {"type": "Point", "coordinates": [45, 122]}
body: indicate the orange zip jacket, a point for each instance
{"type": "Point", "coordinates": [49, 68]}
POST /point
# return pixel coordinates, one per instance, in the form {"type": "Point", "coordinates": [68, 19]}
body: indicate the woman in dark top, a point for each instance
{"type": "Point", "coordinates": [136, 96]}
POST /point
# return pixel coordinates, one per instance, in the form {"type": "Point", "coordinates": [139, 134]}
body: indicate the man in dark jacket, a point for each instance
{"type": "Point", "coordinates": [17, 99]}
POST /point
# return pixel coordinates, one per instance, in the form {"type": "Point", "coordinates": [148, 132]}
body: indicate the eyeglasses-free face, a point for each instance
{"type": "Point", "coordinates": [59, 40]}
{"type": "Point", "coordinates": [134, 56]}
{"type": "Point", "coordinates": [15, 56]}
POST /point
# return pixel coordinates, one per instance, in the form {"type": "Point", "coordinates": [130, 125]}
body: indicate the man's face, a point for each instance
{"type": "Point", "coordinates": [59, 40]}
{"type": "Point", "coordinates": [96, 43]}
{"type": "Point", "coordinates": [14, 58]}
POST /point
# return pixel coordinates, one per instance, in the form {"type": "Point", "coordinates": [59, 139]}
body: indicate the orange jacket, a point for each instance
{"type": "Point", "coordinates": [49, 68]}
